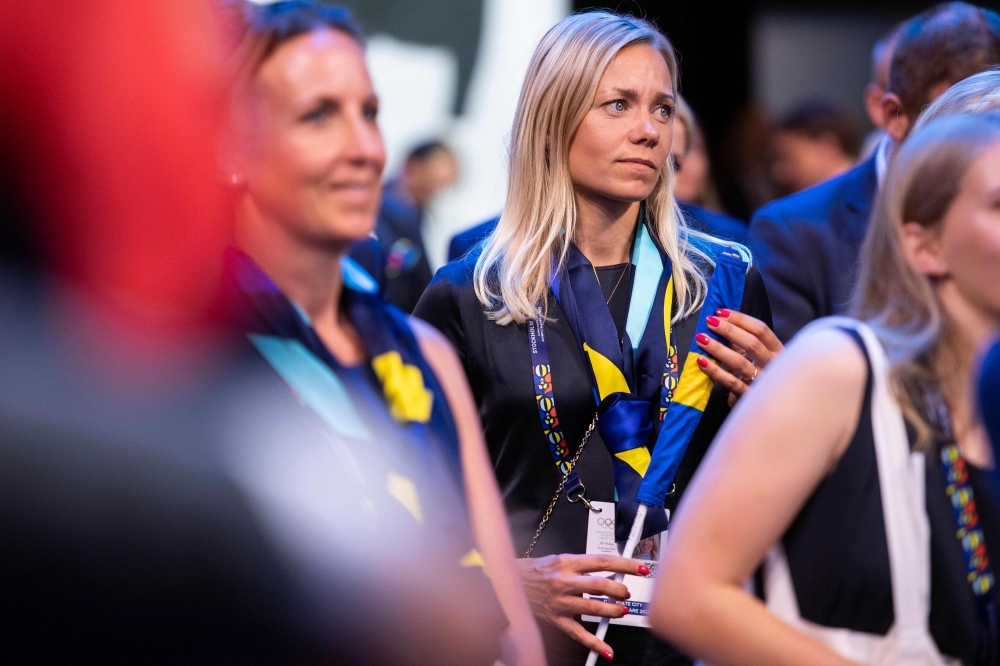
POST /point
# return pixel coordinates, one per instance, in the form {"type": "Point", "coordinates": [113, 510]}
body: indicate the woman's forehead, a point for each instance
{"type": "Point", "coordinates": [323, 59]}
{"type": "Point", "coordinates": [638, 65]}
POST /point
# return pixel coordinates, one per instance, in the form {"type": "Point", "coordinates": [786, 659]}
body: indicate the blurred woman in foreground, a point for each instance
{"type": "Point", "coordinates": [876, 531]}
{"type": "Point", "coordinates": [306, 169]}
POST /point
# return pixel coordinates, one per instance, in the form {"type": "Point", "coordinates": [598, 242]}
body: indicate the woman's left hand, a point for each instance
{"type": "Point", "coordinates": [753, 347]}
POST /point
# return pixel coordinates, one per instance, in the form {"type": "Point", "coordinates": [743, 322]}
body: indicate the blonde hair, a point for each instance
{"type": "Point", "coordinates": [899, 302]}
{"type": "Point", "coordinates": [513, 272]}
{"type": "Point", "coordinates": [976, 94]}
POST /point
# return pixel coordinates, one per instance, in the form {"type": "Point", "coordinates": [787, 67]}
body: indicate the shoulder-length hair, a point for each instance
{"type": "Point", "coordinates": [900, 303]}
{"type": "Point", "coordinates": [513, 272]}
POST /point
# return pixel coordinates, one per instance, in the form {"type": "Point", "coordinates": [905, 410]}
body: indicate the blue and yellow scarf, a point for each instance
{"type": "Point", "coordinates": [647, 410]}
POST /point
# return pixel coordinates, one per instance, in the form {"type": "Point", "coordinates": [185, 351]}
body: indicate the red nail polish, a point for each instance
{"type": "Point", "coordinates": [607, 655]}
{"type": "Point", "coordinates": [712, 321]}
{"type": "Point", "coordinates": [628, 595]}
{"type": "Point", "coordinates": [724, 313]}
{"type": "Point", "coordinates": [624, 611]}
{"type": "Point", "coordinates": [643, 569]}
{"type": "Point", "coordinates": [702, 338]}
{"type": "Point", "coordinates": [702, 361]}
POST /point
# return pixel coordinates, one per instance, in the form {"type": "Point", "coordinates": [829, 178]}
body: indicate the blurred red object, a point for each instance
{"type": "Point", "coordinates": [110, 118]}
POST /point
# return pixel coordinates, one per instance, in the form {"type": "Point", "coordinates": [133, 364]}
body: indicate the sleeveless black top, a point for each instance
{"type": "Point", "coordinates": [839, 559]}
{"type": "Point", "coordinates": [497, 362]}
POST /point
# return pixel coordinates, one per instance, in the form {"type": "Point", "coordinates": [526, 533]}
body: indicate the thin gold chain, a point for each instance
{"type": "Point", "coordinates": [628, 267]}
{"type": "Point", "coordinates": [562, 484]}
{"type": "Point", "coordinates": [624, 270]}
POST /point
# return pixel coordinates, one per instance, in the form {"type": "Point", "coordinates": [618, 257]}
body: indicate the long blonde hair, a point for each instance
{"type": "Point", "coordinates": [513, 271]}
{"type": "Point", "coordinates": [899, 302]}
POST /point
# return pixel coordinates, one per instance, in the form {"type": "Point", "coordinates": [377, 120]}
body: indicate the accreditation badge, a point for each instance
{"type": "Point", "coordinates": [601, 541]}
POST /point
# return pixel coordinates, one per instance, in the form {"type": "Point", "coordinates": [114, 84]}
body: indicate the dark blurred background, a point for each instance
{"type": "Point", "coordinates": [777, 87]}
{"type": "Point", "coordinates": [745, 64]}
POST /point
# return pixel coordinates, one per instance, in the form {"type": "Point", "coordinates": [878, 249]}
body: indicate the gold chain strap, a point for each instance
{"type": "Point", "coordinates": [562, 484]}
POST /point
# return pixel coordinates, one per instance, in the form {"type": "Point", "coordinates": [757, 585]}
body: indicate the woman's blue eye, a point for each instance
{"type": "Point", "coordinates": [315, 116]}
{"type": "Point", "coordinates": [318, 114]}
{"type": "Point", "coordinates": [667, 111]}
{"type": "Point", "coordinates": [618, 105]}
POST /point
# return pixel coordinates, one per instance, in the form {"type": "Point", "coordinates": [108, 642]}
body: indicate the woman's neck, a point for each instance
{"type": "Point", "coordinates": [308, 274]}
{"type": "Point", "coordinates": [605, 228]}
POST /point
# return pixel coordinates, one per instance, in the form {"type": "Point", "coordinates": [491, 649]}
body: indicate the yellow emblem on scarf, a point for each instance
{"type": "Point", "coordinates": [473, 559]}
{"type": "Point", "coordinates": [403, 385]}
{"type": "Point", "coordinates": [609, 378]}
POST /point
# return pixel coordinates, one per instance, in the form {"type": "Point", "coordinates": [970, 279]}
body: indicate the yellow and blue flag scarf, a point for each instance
{"type": "Point", "coordinates": [630, 418]}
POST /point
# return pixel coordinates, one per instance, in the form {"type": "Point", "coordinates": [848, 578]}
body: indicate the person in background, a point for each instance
{"type": "Point", "coordinates": [881, 58]}
{"type": "Point", "coordinates": [813, 142]}
{"type": "Point", "coordinates": [429, 168]}
{"type": "Point", "coordinates": [385, 392]}
{"type": "Point", "coordinates": [878, 525]}
{"type": "Point", "coordinates": [692, 172]}
{"type": "Point", "coordinates": [589, 228]}
{"type": "Point", "coordinates": [977, 94]}
{"type": "Point", "coordinates": [695, 184]}
{"type": "Point", "coordinates": [807, 244]}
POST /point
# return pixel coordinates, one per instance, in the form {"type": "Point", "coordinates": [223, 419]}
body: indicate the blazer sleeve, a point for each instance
{"type": "Point", "coordinates": [439, 306]}
{"type": "Point", "coordinates": [784, 267]}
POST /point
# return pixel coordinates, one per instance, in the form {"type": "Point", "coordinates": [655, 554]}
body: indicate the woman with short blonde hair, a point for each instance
{"type": "Point", "coordinates": [586, 299]}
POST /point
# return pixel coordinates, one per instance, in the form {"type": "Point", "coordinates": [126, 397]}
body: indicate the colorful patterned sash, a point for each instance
{"type": "Point", "coordinates": [970, 535]}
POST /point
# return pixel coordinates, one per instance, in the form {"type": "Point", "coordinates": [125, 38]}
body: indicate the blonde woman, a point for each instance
{"type": "Point", "coordinates": [877, 531]}
{"type": "Point", "coordinates": [589, 191]}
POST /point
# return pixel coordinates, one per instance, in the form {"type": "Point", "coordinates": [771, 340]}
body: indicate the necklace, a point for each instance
{"type": "Point", "coordinates": [624, 270]}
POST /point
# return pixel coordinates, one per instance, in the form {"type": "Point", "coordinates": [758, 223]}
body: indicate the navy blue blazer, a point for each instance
{"type": "Point", "coordinates": [807, 247]}
{"type": "Point", "coordinates": [466, 240]}
{"type": "Point", "coordinates": [716, 224]}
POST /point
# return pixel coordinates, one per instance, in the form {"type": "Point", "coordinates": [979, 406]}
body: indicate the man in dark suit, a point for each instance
{"type": "Point", "coordinates": [807, 245]}
{"type": "Point", "coordinates": [430, 167]}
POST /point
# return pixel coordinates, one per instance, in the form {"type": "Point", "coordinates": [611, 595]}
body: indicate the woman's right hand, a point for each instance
{"type": "Point", "coordinates": [555, 585]}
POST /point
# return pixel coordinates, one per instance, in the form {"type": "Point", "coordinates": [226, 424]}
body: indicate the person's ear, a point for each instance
{"type": "Point", "coordinates": [873, 104]}
{"type": "Point", "coordinates": [922, 247]}
{"type": "Point", "coordinates": [897, 123]}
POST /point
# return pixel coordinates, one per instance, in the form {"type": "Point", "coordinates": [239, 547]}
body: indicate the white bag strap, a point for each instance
{"type": "Point", "coordinates": [901, 482]}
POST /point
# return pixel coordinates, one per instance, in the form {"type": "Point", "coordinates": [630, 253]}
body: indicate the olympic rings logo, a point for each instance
{"type": "Point", "coordinates": [605, 522]}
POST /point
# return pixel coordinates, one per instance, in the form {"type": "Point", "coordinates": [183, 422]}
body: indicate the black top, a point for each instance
{"type": "Point", "coordinates": [497, 361]}
{"type": "Point", "coordinates": [616, 284]}
{"type": "Point", "coordinates": [839, 559]}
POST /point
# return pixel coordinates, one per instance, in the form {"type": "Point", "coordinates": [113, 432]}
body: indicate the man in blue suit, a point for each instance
{"type": "Point", "coordinates": [807, 245]}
